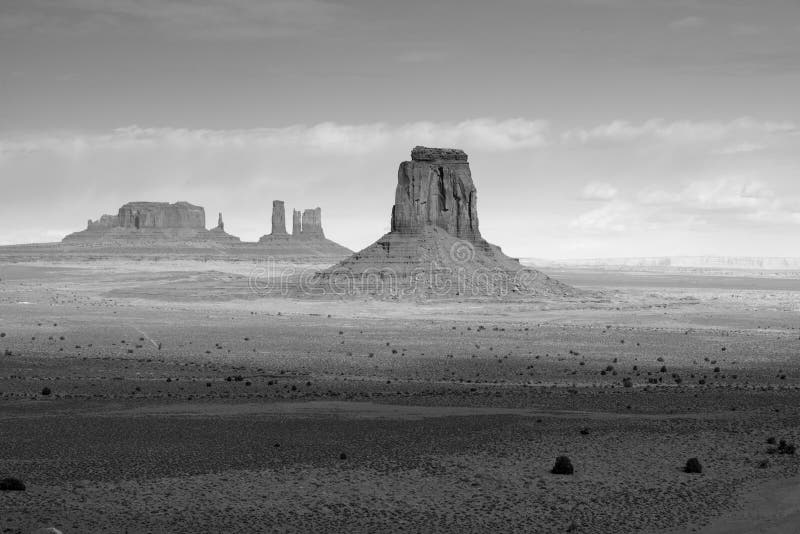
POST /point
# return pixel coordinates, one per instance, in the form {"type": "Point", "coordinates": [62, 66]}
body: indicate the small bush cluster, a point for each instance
{"type": "Point", "coordinates": [782, 448]}
{"type": "Point", "coordinates": [563, 466]}
{"type": "Point", "coordinates": [11, 484]}
{"type": "Point", "coordinates": [693, 466]}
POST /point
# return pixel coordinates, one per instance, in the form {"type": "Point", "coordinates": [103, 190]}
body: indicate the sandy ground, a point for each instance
{"type": "Point", "coordinates": [183, 401]}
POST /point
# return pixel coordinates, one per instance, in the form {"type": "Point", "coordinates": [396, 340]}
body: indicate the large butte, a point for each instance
{"type": "Point", "coordinates": [435, 248]}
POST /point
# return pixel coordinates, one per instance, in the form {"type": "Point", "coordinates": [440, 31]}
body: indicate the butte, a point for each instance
{"type": "Point", "coordinates": [435, 248]}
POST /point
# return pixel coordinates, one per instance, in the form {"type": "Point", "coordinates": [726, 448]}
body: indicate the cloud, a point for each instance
{"type": "Point", "coordinates": [329, 138]}
{"type": "Point", "coordinates": [687, 23]}
{"type": "Point", "coordinates": [728, 193]}
{"type": "Point", "coordinates": [676, 131]}
{"type": "Point", "coordinates": [598, 191]}
{"type": "Point", "coordinates": [614, 217]}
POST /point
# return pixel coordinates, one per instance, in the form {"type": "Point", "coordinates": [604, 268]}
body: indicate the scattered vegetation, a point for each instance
{"type": "Point", "coordinates": [563, 466]}
{"type": "Point", "coordinates": [11, 484]}
{"type": "Point", "coordinates": [693, 466]}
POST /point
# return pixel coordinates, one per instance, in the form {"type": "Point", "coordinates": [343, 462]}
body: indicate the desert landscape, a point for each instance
{"type": "Point", "coordinates": [175, 390]}
{"type": "Point", "coordinates": [347, 266]}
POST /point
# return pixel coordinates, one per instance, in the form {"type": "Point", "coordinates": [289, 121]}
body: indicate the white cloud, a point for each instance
{"type": "Point", "coordinates": [676, 131]}
{"type": "Point", "coordinates": [598, 191]}
{"type": "Point", "coordinates": [727, 193]}
{"type": "Point", "coordinates": [611, 217]}
{"type": "Point", "coordinates": [330, 138]}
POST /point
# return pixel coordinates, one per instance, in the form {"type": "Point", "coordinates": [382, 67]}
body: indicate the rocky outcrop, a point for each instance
{"type": "Point", "coordinates": [152, 223]}
{"type": "Point", "coordinates": [312, 223]}
{"type": "Point", "coordinates": [307, 238]}
{"type": "Point", "coordinates": [435, 188]}
{"type": "Point", "coordinates": [297, 225]}
{"type": "Point", "coordinates": [278, 218]}
{"type": "Point", "coordinates": [434, 248]}
{"type": "Point", "coordinates": [140, 215]}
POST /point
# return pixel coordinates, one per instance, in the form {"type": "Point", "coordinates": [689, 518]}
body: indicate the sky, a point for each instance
{"type": "Point", "coordinates": [594, 128]}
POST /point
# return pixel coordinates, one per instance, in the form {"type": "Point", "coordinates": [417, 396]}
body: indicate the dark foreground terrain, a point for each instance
{"type": "Point", "coordinates": [128, 409]}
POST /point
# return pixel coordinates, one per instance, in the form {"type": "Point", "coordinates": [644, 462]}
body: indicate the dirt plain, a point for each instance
{"type": "Point", "coordinates": [181, 399]}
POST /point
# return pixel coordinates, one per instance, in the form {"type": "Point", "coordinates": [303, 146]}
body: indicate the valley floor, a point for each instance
{"type": "Point", "coordinates": [179, 401]}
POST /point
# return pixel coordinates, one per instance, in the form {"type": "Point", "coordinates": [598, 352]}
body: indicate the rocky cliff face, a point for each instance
{"type": "Point", "coordinates": [297, 224]}
{"type": "Point", "coordinates": [161, 215]}
{"type": "Point", "coordinates": [435, 248]}
{"type": "Point", "coordinates": [312, 223]}
{"type": "Point", "coordinates": [435, 188]}
{"type": "Point", "coordinates": [152, 223]}
{"type": "Point", "coordinates": [278, 218]}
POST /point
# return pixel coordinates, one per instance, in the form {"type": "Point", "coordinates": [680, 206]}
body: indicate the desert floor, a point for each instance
{"type": "Point", "coordinates": [183, 400]}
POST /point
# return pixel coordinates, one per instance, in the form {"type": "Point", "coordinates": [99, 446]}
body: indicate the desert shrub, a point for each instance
{"type": "Point", "coordinates": [563, 466]}
{"type": "Point", "coordinates": [771, 440]}
{"type": "Point", "coordinates": [11, 484]}
{"type": "Point", "coordinates": [343, 456]}
{"type": "Point", "coordinates": [584, 431]}
{"type": "Point", "coordinates": [627, 382]}
{"type": "Point", "coordinates": [763, 464]}
{"type": "Point", "coordinates": [46, 391]}
{"type": "Point", "coordinates": [786, 448]}
{"type": "Point", "coordinates": [693, 466]}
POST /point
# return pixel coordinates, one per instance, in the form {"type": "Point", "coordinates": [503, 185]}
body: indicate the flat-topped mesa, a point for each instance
{"type": "Point", "coordinates": [142, 223]}
{"type": "Point", "coordinates": [312, 223]}
{"type": "Point", "coordinates": [278, 218]}
{"type": "Point", "coordinates": [423, 153]}
{"type": "Point", "coordinates": [435, 188]}
{"type": "Point", "coordinates": [161, 215]}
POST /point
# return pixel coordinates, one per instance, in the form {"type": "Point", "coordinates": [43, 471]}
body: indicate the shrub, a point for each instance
{"type": "Point", "coordinates": [627, 382]}
{"type": "Point", "coordinates": [563, 466]}
{"type": "Point", "coordinates": [11, 484]}
{"type": "Point", "coordinates": [763, 464]}
{"type": "Point", "coordinates": [786, 448]}
{"type": "Point", "coordinates": [693, 466]}
{"type": "Point", "coordinates": [343, 456]}
{"type": "Point", "coordinates": [771, 440]}
{"type": "Point", "coordinates": [46, 391]}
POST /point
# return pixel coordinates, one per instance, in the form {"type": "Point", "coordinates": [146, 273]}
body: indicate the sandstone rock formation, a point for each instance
{"type": "Point", "coordinates": [161, 215]}
{"type": "Point", "coordinates": [146, 223]}
{"type": "Point", "coordinates": [307, 238]}
{"type": "Point", "coordinates": [278, 218]}
{"type": "Point", "coordinates": [434, 248]}
{"type": "Point", "coordinates": [435, 188]}
{"type": "Point", "coordinates": [312, 223]}
{"type": "Point", "coordinates": [297, 224]}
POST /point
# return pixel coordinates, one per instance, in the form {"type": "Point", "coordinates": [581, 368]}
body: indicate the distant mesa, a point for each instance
{"type": "Point", "coordinates": [137, 223]}
{"type": "Point", "coordinates": [306, 231]}
{"type": "Point", "coordinates": [435, 246]}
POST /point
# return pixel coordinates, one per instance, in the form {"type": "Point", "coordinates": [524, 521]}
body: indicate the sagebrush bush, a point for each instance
{"type": "Point", "coordinates": [693, 466]}
{"type": "Point", "coordinates": [563, 466]}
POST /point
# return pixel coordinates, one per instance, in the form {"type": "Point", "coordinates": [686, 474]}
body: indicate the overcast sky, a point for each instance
{"type": "Point", "coordinates": [594, 127]}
